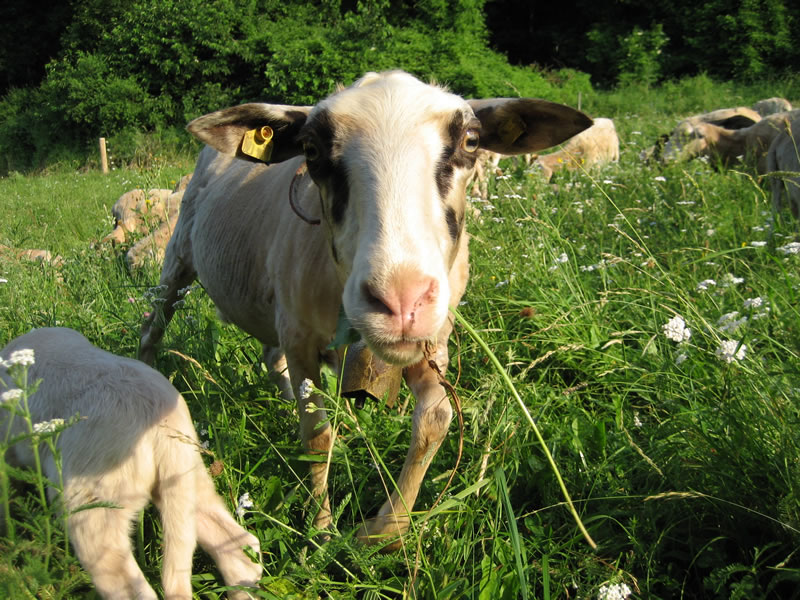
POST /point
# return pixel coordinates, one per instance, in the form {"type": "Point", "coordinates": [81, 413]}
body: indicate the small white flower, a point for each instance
{"type": "Point", "coordinates": [244, 503]}
{"type": "Point", "coordinates": [617, 591]}
{"type": "Point", "coordinates": [11, 396]}
{"type": "Point", "coordinates": [728, 352]}
{"type": "Point", "coordinates": [306, 389]}
{"type": "Point", "coordinates": [705, 284]}
{"type": "Point", "coordinates": [675, 329]}
{"type": "Point", "coordinates": [756, 302]}
{"type": "Point", "coordinates": [659, 178]}
{"type": "Point", "coordinates": [790, 248]}
{"type": "Point", "coordinates": [22, 357]}
{"type": "Point", "coordinates": [730, 279]}
{"type": "Point", "coordinates": [710, 232]}
{"type": "Point", "coordinates": [729, 323]}
{"type": "Point", "coordinates": [47, 426]}
{"type": "Point", "coordinates": [3, 280]}
{"type": "Point", "coordinates": [501, 283]}
{"type": "Point", "coordinates": [637, 421]}
{"type": "Point", "coordinates": [758, 244]}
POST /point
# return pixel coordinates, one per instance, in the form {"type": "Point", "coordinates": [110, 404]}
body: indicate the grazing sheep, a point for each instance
{"type": "Point", "coordinates": [152, 247]}
{"type": "Point", "coordinates": [784, 157]}
{"type": "Point", "coordinates": [362, 211]}
{"type": "Point", "coordinates": [597, 145]}
{"type": "Point", "coordinates": [137, 212]}
{"type": "Point", "coordinates": [671, 143]}
{"type": "Point", "coordinates": [133, 442]}
{"type": "Point", "coordinates": [727, 146]}
{"type": "Point", "coordinates": [770, 106]}
{"type": "Point", "coordinates": [33, 255]}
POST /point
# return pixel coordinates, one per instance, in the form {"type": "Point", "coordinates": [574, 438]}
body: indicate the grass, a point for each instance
{"type": "Point", "coordinates": [684, 468]}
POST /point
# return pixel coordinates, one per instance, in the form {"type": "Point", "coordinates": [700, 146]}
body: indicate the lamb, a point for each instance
{"type": "Point", "coordinates": [597, 145]}
{"type": "Point", "coordinates": [726, 146]}
{"type": "Point", "coordinates": [361, 214]}
{"type": "Point", "coordinates": [783, 158]}
{"type": "Point", "coordinates": [32, 254]}
{"type": "Point", "coordinates": [133, 442]}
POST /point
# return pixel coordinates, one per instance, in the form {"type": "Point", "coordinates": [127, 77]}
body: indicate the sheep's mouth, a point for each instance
{"type": "Point", "coordinates": [400, 352]}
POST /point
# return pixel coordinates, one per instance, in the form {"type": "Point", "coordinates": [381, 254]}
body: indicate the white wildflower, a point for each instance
{"type": "Point", "coordinates": [617, 591]}
{"type": "Point", "coordinates": [244, 503]}
{"type": "Point", "coordinates": [637, 421]}
{"type": "Point", "coordinates": [675, 329]}
{"type": "Point", "coordinates": [728, 352]}
{"type": "Point", "coordinates": [11, 396]}
{"type": "Point", "coordinates": [758, 244]}
{"type": "Point", "coordinates": [659, 178]}
{"type": "Point", "coordinates": [791, 248]}
{"type": "Point", "coordinates": [501, 283]}
{"type": "Point", "coordinates": [756, 302]}
{"type": "Point", "coordinates": [705, 284]}
{"type": "Point", "coordinates": [730, 279]}
{"type": "Point", "coordinates": [681, 357]}
{"type": "Point", "coordinates": [710, 232]}
{"type": "Point", "coordinates": [22, 357]}
{"type": "Point", "coordinates": [306, 389]}
{"type": "Point", "coordinates": [562, 258]}
{"type": "Point", "coordinates": [499, 219]}
{"type": "Point", "coordinates": [729, 323]}
{"type": "Point", "coordinates": [608, 181]}
{"type": "Point", "coordinates": [3, 280]}
{"type": "Point", "coordinates": [47, 426]}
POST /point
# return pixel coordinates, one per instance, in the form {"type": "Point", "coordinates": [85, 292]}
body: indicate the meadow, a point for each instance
{"type": "Point", "coordinates": [678, 439]}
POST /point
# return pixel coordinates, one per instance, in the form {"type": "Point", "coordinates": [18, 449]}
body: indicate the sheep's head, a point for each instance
{"type": "Point", "coordinates": [391, 157]}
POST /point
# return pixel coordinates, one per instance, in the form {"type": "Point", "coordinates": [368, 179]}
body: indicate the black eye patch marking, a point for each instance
{"type": "Point", "coordinates": [453, 156]}
{"type": "Point", "coordinates": [454, 223]}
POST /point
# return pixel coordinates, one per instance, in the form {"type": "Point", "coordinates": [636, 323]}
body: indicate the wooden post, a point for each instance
{"type": "Point", "coordinates": [579, 100]}
{"type": "Point", "coordinates": [103, 156]}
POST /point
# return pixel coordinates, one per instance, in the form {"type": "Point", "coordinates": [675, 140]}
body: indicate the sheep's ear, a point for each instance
{"type": "Point", "coordinates": [255, 132]}
{"type": "Point", "coordinates": [735, 122]}
{"type": "Point", "coordinates": [523, 125]}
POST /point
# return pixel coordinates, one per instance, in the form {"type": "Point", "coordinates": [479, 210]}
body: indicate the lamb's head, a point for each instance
{"type": "Point", "coordinates": [391, 157]}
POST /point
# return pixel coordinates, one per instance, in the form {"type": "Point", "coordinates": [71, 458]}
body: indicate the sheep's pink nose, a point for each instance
{"type": "Point", "coordinates": [408, 305]}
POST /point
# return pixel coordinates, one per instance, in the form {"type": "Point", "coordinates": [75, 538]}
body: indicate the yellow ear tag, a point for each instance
{"type": "Point", "coordinates": [257, 143]}
{"type": "Point", "coordinates": [511, 129]}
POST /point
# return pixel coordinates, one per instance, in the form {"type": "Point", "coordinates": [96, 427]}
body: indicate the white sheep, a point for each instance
{"type": "Point", "coordinates": [361, 211]}
{"type": "Point", "coordinates": [133, 442]}
{"type": "Point", "coordinates": [783, 160]}
{"type": "Point", "coordinates": [728, 146]}
{"type": "Point", "coordinates": [597, 145]}
{"type": "Point", "coordinates": [770, 106]}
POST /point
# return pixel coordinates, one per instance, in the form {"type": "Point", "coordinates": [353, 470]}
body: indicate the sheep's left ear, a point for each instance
{"type": "Point", "coordinates": [523, 125]}
{"type": "Point", "coordinates": [254, 132]}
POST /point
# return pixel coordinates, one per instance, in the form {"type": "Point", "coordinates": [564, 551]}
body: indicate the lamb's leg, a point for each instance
{"type": "Point", "coordinates": [175, 497]}
{"type": "Point", "coordinates": [176, 275]}
{"type": "Point", "coordinates": [315, 431]}
{"type": "Point", "coordinates": [102, 544]}
{"type": "Point", "coordinates": [431, 419]}
{"type": "Point", "coordinates": [223, 539]}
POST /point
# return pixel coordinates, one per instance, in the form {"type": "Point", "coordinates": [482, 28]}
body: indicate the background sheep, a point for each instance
{"type": "Point", "coordinates": [597, 145]}
{"type": "Point", "coordinates": [383, 166]}
{"type": "Point", "coordinates": [134, 442]}
{"type": "Point", "coordinates": [784, 157]}
{"type": "Point", "coordinates": [770, 106]}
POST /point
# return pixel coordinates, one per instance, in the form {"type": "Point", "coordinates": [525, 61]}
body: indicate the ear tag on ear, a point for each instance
{"type": "Point", "coordinates": [257, 143]}
{"type": "Point", "coordinates": [511, 129]}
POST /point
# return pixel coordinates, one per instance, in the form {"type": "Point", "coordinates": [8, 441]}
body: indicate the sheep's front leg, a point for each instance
{"type": "Point", "coordinates": [431, 419]}
{"type": "Point", "coordinates": [315, 431]}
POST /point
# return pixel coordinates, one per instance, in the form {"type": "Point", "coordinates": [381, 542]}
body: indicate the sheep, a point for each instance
{"type": "Point", "coordinates": [486, 163]}
{"type": "Point", "coordinates": [668, 145]}
{"type": "Point", "coordinates": [136, 212]}
{"type": "Point", "coordinates": [783, 158]}
{"type": "Point", "coordinates": [152, 247]}
{"type": "Point", "coordinates": [770, 106]}
{"type": "Point", "coordinates": [361, 213]}
{"type": "Point", "coordinates": [597, 145]}
{"type": "Point", "coordinates": [33, 255]}
{"type": "Point", "coordinates": [132, 441]}
{"type": "Point", "coordinates": [726, 146]}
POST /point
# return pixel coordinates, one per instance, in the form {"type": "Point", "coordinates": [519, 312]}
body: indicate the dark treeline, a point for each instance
{"type": "Point", "coordinates": [88, 68]}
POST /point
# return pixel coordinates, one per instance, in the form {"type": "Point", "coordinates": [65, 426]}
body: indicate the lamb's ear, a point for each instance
{"type": "Point", "coordinates": [237, 130]}
{"type": "Point", "coordinates": [523, 125]}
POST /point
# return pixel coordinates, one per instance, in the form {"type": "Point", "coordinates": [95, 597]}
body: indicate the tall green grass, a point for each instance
{"type": "Point", "coordinates": [685, 468]}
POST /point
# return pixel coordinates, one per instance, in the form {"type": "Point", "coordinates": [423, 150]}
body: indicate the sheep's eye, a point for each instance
{"type": "Point", "coordinates": [311, 150]}
{"type": "Point", "coordinates": [471, 141]}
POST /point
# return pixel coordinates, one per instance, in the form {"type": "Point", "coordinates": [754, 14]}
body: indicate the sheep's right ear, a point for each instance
{"type": "Point", "coordinates": [231, 131]}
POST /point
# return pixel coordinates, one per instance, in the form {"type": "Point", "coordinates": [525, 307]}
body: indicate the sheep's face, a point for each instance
{"type": "Point", "coordinates": [391, 157]}
{"type": "Point", "coordinates": [687, 141]}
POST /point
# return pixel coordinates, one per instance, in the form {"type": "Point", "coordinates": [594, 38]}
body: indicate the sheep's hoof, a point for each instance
{"type": "Point", "coordinates": [385, 531]}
